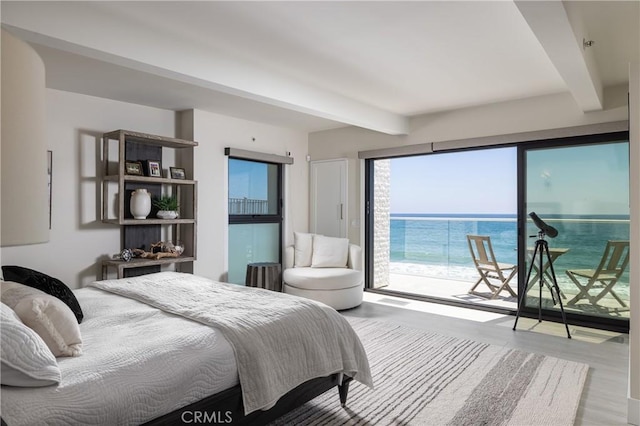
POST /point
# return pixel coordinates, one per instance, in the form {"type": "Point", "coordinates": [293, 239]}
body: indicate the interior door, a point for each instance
{"type": "Point", "coordinates": [329, 197]}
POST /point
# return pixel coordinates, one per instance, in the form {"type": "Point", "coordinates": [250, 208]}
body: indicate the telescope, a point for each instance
{"type": "Point", "coordinates": [546, 229]}
{"type": "Point", "coordinates": [540, 253]}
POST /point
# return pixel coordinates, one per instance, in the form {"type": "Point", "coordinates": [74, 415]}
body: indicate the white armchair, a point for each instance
{"type": "Point", "coordinates": [340, 287]}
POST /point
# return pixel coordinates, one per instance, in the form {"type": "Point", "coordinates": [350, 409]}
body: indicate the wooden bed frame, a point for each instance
{"type": "Point", "coordinates": [227, 405]}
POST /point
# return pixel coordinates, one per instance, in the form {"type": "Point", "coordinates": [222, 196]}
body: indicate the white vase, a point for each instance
{"type": "Point", "coordinates": [140, 204]}
{"type": "Point", "coordinates": [167, 214]}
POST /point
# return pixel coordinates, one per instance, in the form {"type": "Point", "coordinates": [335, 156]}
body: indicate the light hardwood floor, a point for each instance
{"type": "Point", "coordinates": [604, 399]}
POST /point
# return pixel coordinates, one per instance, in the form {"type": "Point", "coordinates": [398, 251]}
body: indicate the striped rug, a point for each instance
{"type": "Point", "coordinates": [422, 378]}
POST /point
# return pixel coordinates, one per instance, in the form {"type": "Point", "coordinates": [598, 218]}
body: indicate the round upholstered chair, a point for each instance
{"type": "Point", "coordinates": [325, 269]}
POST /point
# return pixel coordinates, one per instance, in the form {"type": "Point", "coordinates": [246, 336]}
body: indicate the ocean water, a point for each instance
{"type": "Point", "coordinates": [436, 245]}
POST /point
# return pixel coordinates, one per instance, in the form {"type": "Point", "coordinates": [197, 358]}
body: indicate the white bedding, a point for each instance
{"type": "Point", "coordinates": [280, 341]}
{"type": "Point", "coordinates": [122, 379]}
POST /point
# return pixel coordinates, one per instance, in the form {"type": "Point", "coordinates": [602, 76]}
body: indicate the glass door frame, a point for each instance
{"type": "Point", "coordinates": [619, 325]}
{"type": "Point", "coordinates": [613, 324]}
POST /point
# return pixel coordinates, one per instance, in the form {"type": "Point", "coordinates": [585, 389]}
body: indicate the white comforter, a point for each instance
{"type": "Point", "coordinates": [280, 341]}
{"type": "Point", "coordinates": [137, 364]}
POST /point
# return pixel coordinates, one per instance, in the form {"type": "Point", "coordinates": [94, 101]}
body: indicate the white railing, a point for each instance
{"type": "Point", "coordinates": [248, 206]}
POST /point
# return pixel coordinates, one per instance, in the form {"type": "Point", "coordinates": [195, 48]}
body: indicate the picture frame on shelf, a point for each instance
{"type": "Point", "coordinates": [177, 173]}
{"type": "Point", "coordinates": [133, 168]}
{"type": "Point", "coordinates": [154, 168]}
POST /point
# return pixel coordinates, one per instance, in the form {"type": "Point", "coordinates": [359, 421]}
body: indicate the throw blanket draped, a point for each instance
{"type": "Point", "coordinates": [280, 341]}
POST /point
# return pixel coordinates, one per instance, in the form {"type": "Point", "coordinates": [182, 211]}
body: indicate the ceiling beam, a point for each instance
{"type": "Point", "coordinates": [85, 31]}
{"type": "Point", "coordinates": [561, 36]}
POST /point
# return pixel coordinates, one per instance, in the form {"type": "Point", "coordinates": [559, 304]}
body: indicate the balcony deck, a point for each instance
{"type": "Point", "coordinates": [457, 290]}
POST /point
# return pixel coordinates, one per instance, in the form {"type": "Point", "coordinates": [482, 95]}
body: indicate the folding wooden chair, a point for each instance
{"type": "Point", "coordinates": [489, 268]}
{"type": "Point", "coordinates": [612, 265]}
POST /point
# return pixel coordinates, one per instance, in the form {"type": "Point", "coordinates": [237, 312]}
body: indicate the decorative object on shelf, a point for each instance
{"type": "Point", "coordinates": [167, 214]}
{"type": "Point", "coordinates": [177, 173]}
{"type": "Point", "coordinates": [159, 250]}
{"type": "Point", "coordinates": [125, 255]}
{"type": "Point", "coordinates": [169, 247]}
{"type": "Point", "coordinates": [133, 168]}
{"type": "Point", "coordinates": [167, 206]}
{"type": "Point", "coordinates": [140, 204]}
{"type": "Point", "coordinates": [154, 168]}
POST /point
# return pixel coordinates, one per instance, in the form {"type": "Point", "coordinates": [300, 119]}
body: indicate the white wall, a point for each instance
{"type": "Point", "coordinates": [214, 132]}
{"type": "Point", "coordinates": [540, 113]}
{"type": "Point", "coordinates": [78, 239]}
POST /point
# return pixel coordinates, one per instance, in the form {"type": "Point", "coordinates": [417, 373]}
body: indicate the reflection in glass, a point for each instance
{"type": "Point", "coordinates": [249, 243]}
{"type": "Point", "coordinates": [583, 192]}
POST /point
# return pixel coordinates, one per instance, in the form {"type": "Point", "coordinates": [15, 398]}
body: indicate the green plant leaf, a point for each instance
{"type": "Point", "coordinates": [166, 202]}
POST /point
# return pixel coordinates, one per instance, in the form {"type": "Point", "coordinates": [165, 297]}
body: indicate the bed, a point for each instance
{"type": "Point", "coordinates": [171, 348]}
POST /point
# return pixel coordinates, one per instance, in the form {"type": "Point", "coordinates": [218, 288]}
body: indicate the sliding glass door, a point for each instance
{"type": "Point", "coordinates": [424, 211]}
{"type": "Point", "coordinates": [582, 192]}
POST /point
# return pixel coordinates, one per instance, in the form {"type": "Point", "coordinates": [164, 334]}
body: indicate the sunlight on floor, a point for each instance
{"type": "Point", "coordinates": [433, 308]}
{"type": "Point", "coordinates": [524, 324]}
{"type": "Point", "coordinates": [584, 334]}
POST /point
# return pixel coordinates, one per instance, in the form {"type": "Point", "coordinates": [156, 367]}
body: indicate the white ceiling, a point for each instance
{"type": "Point", "coordinates": [318, 65]}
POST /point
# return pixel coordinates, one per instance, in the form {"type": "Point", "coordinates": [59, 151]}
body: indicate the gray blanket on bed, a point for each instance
{"type": "Point", "coordinates": [280, 341]}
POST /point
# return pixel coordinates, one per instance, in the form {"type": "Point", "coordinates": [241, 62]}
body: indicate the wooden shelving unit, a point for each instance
{"type": "Point", "coordinates": [120, 146]}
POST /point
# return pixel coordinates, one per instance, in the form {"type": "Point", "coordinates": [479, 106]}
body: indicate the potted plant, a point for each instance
{"type": "Point", "coordinates": [167, 206]}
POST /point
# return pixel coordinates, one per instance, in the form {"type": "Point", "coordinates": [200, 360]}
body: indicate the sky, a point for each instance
{"type": "Point", "coordinates": [585, 180]}
{"type": "Point", "coordinates": [248, 179]}
{"type": "Point", "coordinates": [470, 182]}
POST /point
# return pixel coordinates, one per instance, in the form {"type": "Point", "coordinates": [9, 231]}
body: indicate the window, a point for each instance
{"type": "Point", "coordinates": [255, 215]}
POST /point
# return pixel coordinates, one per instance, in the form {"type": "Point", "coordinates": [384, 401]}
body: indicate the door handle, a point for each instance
{"type": "Point", "coordinates": [341, 208]}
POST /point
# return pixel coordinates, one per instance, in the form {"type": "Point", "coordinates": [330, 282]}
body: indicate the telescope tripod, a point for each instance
{"type": "Point", "coordinates": [542, 249]}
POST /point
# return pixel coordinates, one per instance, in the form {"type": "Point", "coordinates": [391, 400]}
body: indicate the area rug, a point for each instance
{"type": "Point", "coordinates": [423, 378]}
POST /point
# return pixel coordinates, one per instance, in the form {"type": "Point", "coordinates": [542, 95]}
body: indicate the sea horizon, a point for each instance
{"type": "Point", "coordinates": [435, 244]}
{"type": "Point", "coordinates": [509, 216]}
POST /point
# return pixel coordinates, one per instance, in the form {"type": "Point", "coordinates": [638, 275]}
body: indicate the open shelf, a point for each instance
{"type": "Point", "coordinates": [117, 187]}
{"type": "Point", "coordinates": [147, 179]}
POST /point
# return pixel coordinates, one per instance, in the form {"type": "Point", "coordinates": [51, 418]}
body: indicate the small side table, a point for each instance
{"type": "Point", "coordinates": [264, 275]}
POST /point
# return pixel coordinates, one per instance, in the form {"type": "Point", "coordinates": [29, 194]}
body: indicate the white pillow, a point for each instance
{"type": "Point", "coordinates": [329, 252]}
{"type": "Point", "coordinates": [303, 245]}
{"type": "Point", "coordinates": [26, 359]}
{"type": "Point", "coordinates": [47, 315]}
